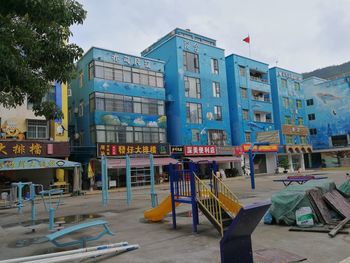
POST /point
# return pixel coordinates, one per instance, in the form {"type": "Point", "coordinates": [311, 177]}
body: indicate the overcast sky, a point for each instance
{"type": "Point", "coordinates": [300, 35]}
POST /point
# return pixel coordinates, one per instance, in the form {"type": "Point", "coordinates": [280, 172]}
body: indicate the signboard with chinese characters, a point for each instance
{"type": "Point", "coordinates": [33, 148]}
{"type": "Point", "coordinates": [237, 150]}
{"type": "Point", "coordinates": [199, 150]}
{"type": "Point", "coordinates": [114, 149]}
{"type": "Point", "coordinates": [268, 136]}
{"type": "Point", "coordinates": [289, 75]}
{"type": "Point", "coordinates": [294, 130]}
{"type": "Point", "coordinates": [261, 148]}
{"type": "Point", "coordinates": [224, 150]}
{"type": "Point", "coordinates": [25, 163]}
{"type": "Point", "coordinates": [176, 149]}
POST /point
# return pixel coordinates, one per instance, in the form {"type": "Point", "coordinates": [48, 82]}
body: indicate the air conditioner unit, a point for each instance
{"type": "Point", "coordinates": [69, 92]}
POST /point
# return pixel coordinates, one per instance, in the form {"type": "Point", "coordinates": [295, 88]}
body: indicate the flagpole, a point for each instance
{"type": "Point", "coordinates": [249, 47]}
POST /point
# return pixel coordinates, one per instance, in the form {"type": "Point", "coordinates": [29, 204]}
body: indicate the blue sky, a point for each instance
{"type": "Point", "coordinates": [300, 35]}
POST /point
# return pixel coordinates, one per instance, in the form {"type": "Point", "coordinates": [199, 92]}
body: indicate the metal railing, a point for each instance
{"type": "Point", "coordinates": [209, 202]}
{"type": "Point", "coordinates": [228, 200]}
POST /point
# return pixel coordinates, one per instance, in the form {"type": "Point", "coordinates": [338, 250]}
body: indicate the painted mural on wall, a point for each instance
{"type": "Point", "coordinates": [136, 120]}
{"type": "Point", "coordinates": [331, 108]}
{"type": "Point", "coordinates": [10, 129]}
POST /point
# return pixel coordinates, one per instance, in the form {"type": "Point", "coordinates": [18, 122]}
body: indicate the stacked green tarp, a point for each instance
{"type": "Point", "coordinates": [345, 187]}
{"type": "Point", "coordinates": [286, 202]}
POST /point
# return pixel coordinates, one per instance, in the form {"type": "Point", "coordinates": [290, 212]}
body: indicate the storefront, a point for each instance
{"type": "Point", "coordinates": [139, 161]}
{"type": "Point", "coordinates": [33, 152]}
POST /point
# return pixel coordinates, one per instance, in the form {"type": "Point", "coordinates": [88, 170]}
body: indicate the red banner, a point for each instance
{"type": "Point", "coordinates": [200, 150]}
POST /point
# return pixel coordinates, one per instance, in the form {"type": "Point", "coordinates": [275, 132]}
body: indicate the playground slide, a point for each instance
{"type": "Point", "coordinates": [230, 204]}
{"type": "Point", "coordinates": [158, 213]}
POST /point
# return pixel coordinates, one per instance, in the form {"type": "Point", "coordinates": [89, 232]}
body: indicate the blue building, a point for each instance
{"type": "Point", "coordinates": [118, 105]}
{"type": "Point", "coordinates": [329, 122]}
{"type": "Point", "coordinates": [250, 107]}
{"type": "Point", "coordinates": [196, 89]}
{"type": "Point", "coordinates": [290, 116]}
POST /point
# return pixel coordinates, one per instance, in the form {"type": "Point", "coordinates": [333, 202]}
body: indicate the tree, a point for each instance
{"type": "Point", "coordinates": [34, 51]}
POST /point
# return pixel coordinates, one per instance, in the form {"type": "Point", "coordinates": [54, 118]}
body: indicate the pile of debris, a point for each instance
{"type": "Point", "coordinates": [329, 207]}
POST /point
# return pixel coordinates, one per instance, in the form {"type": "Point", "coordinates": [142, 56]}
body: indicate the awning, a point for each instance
{"type": "Point", "coordinates": [140, 162]}
{"type": "Point", "coordinates": [218, 159]}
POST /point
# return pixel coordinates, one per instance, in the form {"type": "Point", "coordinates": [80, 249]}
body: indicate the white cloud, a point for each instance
{"type": "Point", "coordinates": [300, 35]}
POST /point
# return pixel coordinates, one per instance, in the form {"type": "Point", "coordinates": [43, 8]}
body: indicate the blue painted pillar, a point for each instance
{"type": "Point", "coordinates": [173, 208]}
{"type": "Point", "coordinates": [251, 166]}
{"type": "Point", "coordinates": [128, 180]}
{"type": "Point", "coordinates": [153, 191]}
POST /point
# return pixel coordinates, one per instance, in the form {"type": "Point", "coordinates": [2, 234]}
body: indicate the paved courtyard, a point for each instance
{"type": "Point", "coordinates": [158, 241]}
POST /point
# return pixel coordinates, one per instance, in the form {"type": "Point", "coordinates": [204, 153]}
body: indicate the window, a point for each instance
{"type": "Point", "coordinates": [257, 117]}
{"type": "Point", "coordinates": [192, 87]}
{"type": "Point", "coordinates": [217, 137]}
{"type": "Point", "coordinates": [313, 131]}
{"type": "Point", "coordinates": [309, 102]}
{"type": "Point", "coordinates": [120, 103]}
{"type": "Point", "coordinates": [81, 79]}
{"type": "Point", "coordinates": [258, 76]}
{"type": "Point", "coordinates": [247, 137]}
{"type": "Point", "coordinates": [218, 113]}
{"type": "Point", "coordinates": [303, 140]}
{"type": "Point", "coordinates": [287, 120]}
{"type": "Point", "coordinates": [81, 108]}
{"type": "Point", "coordinates": [260, 95]}
{"type": "Point", "coordinates": [191, 62]}
{"type": "Point", "coordinates": [285, 102]}
{"type": "Point", "coordinates": [245, 114]}
{"type": "Point", "coordinates": [116, 72]}
{"type": "Point", "coordinates": [193, 112]}
{"type": "Point", "coordinates": [241, 71]}
{"type": "Point", "coordinates": [289, 139]}
{"type": "Point", "coordinates": [311, 116]}
{"type": "Point", "coordinates": [128, 134]}
{"type": "Point", "coordinates": [244, 93]}
{"type": "Point", "coordinates": [37, 129]}
{"type": "Point", "coordinates": [297, 86]}
{"type": "Point", "coordinates": [300, 121]}
{"type": "Point", "coordinates": [298, 103]}
{"type": "Point", "coordinates": [214, 66]}
{"type": "Point", "coordinates": [283, 83]}
{"type": "Point", "coordinates": [91, 70]}
{"type": "Point", "coordinates": [195, 135]}
{"type": "Point", "coordinates": [216, 89]}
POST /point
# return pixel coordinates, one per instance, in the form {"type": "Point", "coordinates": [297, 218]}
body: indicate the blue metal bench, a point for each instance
{"type": "Point", "coordinates": [82, 241]}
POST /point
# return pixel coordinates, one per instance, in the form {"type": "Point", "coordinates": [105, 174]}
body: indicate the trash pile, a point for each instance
{"type": "Point", "coordinates": [316, 206]}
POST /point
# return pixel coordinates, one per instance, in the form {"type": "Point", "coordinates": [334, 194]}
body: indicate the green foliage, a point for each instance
{"type": "Point", "coordinates": [329, 72]}
{"type": "Point", "coordinates": [33, 52]}
{"type": "Point", "coordinates": [283, 162]}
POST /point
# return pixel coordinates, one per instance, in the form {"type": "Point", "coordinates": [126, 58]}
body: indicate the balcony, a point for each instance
{"type": "Point", "coordinates": [258, 76]}
{"type": "Point", "coordinates": [265, 117]}
{"type": "Point", "coordinates": [261, 96]}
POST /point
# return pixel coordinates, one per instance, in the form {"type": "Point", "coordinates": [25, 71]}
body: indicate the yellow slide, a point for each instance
{"type": "Point", "coordinates": [158, 213]}
{"type": "Point", "coordinates": [232, 205]}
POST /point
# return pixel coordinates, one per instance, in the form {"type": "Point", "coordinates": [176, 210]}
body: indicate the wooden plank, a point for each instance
{"type": "Point", "coordinates": [316, 230]}
{"type": "Point", "coordinates": [322, 209]}
{"type": "Point", "coordinates": [338, 202]}
{"type": "Point", "coordinates": [338, 227]}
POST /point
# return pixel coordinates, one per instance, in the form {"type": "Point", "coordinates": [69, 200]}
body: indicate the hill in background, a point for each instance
{"type": "Point", "coordinates": [329, 72]}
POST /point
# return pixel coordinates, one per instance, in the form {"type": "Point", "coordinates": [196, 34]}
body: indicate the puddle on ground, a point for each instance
{"type": "Point", "coordinates": [27, 242]}
{"type": "Point", "coordinates": [71, 219]}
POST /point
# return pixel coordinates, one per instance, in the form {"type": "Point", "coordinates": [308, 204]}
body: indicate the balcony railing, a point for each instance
{"type": "Point", "coordinates": [258, 79]}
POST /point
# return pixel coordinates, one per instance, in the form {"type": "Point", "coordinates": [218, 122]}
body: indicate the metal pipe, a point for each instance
{"type": "Point", "coordinates": [64, 253]}
{"type": "Point", "coordinates": [85, 255]}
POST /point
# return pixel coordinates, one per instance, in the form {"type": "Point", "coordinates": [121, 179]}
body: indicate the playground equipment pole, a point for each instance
{"type": "Point", "coordinates": [104, 181]}
{"type": "Point", "coordinates": [51, 218]}
{"type": "Point", "coordinates": [128, 180]}
{"type": "Point", "coordinates": [251, 161]}
{"type": "Point", "coordinates": [153, 191]}
{"type": "Point", "coordinates": [193, 199]}
{"type": "Point", "coordinates": [32, 199]}
{"type": "Point", "coordinates": [171, 177]}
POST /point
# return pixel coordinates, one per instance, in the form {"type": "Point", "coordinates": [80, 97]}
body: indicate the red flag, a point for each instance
{"type": "Point", "coordinates": [247, 39]}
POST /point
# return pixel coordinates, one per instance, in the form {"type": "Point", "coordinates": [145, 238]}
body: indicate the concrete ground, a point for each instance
{"type": "Point", "coordinates": [158, 241]}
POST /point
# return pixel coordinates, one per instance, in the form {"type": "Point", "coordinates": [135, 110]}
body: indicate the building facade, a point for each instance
{"type": "Point", "coordinates": [327, 106]}
{"type": "Point", "coordinates": [22, 134]}
{"type": "Point", "coordinates": [290, 116]}
{"type": "Point", "coordinates": [117, 107]}
{"type": "Point", "coordinates": [196, 89]}
{"type": "Point", "coordinates": [196, 95]}
{"type": "Point", "coordinates": [250, 107]}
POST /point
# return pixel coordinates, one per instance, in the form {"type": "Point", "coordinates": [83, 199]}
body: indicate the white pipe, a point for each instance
{"type": "Point", "coordinates": [64, 253]}
{"type": "Point", "coordinates": [85, 255]}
